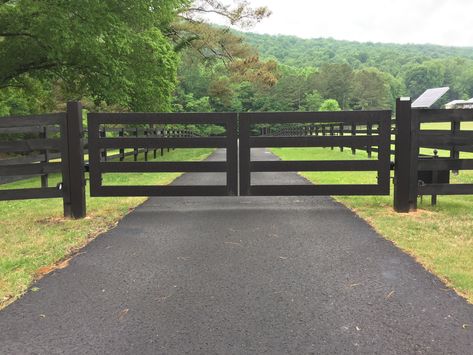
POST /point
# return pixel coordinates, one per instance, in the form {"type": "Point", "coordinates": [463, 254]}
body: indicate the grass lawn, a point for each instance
{"type": "Point", "coordinates": [440, 237]}
{"type": "Point", "coordinates": [35, 238]}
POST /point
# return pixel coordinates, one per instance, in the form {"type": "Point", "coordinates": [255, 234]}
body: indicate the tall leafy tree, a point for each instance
{"type": "Point", "coordinates": [335, 81]}
{"type": "Point", "coordinates": [424, 76]}
{"type": "Point", "coordinates": [113, 51]}
{"type": "Point", "coordinates": [371, 89]}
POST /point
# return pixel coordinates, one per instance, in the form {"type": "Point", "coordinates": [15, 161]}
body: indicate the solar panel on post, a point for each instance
{"type": "Point", "coordinates": [429, 97]}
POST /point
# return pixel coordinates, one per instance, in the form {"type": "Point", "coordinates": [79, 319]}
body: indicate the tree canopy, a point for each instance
{"type": "Point", "coordinates": [114, 51]}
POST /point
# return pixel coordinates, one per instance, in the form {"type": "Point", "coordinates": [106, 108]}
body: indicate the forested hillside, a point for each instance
{"type": "Point", "coordinates": [327, 74]}
{"type": "Point", "coordinates": [391, 58]}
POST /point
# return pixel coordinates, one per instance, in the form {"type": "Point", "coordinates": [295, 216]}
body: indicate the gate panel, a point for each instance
{"type": "Point", "coordinates": [99, 166]}
{"type": "Point", "coordinates": [310, 137]}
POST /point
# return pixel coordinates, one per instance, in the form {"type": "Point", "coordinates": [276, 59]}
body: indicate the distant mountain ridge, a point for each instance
{"type": "Point", "coordinates": [300, 52]}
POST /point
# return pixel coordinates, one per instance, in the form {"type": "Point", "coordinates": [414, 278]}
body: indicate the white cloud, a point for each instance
{"type": "Point", "coordinates": [446, 22]}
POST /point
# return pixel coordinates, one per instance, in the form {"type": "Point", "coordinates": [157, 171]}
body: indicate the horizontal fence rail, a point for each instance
{"type": "Point", "coordinates": [335, 130]}
{"type": "Point", "coordinates": [315, 134]}
{"type": "Point", "coordinates": [454, 140]}
{"type": "Point", "coordinates": [39, 126]}
{"type": "Point", "coordinates": [162, 139]}
{"type": "Point", "coordinates": [417, 174]}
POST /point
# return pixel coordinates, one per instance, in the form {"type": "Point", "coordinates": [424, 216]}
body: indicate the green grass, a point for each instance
{"type": "Point", "coordinates": [440, 237]}
{"type": "Point", "coordinates": [35, 236]}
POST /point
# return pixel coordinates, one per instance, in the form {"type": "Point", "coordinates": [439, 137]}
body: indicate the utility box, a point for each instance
{"type": "Point", "coordinates": [427, 176]}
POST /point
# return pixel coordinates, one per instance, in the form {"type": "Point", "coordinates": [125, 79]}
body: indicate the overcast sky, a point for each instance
{"type": "Point", "coordinates": [445, 22]}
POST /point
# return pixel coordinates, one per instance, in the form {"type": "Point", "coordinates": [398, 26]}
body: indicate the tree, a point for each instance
{"type": "Point", "coordinates": [113, 51]}
{"type": "Point", "coordinates": [330, 105]}
{"type": "Point", "coordinates": [195, 37]}
{"type": "Point", "coordinates": [421, 77]}
{"type": "Point", "coordinates": [371, 90]}
{"type": "Point", "coordinates": [190, 104]}
{"type": "Point", "coordinates": [335, 81]}
{"type": "Point", "coordinates": [312, 101]}
{"type": "Point", "coordinates": [217, 58]}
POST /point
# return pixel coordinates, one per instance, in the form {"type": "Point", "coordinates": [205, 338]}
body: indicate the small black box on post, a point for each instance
{"type": "Point", "coordinates": [73, 163]}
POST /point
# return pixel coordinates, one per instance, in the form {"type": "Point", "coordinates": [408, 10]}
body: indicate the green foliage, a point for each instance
{"type": "Point", "coordinates": [330, 105]}
{"type": "Point", "coordinates": [371, 90]}
{"type": "Point", "coordinates": [390, 58]}
{"type": "Point", "coordinates": [188, 103]}
{"type": "Point", "coordinates": [335, 81]}
{"type": "Point", "coordinates": [112, 51]}
{"type": "Point", "coordinates": [419, 77]}
{"type": "Point", "coordinates": [312, 101]}
{"type": "Point", "coordinates": [371, 75]}
{"type": "Point", "coordinates": [357, 75]}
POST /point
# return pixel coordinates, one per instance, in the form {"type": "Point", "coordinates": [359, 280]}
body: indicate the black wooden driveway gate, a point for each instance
{"type": "Point", "coordinates": [98, 167]}
{"type": "Point", "coordinates": [380, 136]}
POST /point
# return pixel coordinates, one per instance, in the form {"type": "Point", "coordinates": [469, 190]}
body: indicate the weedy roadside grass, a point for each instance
{"type": "Point", "coordinates": [34, 236]}
{"type": "Point", "coordinates": [439, 237]}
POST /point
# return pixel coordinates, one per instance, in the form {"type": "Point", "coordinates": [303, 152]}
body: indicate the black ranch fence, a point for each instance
{"type": "Point", "coordinates": [49, 131]}
{"type": "Point", "coordinates": [416, 174]}
{"type": "Point", "coordinates": [303, 132]}
{"type": "Point", "coordinates": [67, 145]}
{"type": "Point", "coordinates": [186, 139]}
{"type": "Point", "coordinates": [334, 130]}
{"type": "Point", "coordinates": [57, 144]}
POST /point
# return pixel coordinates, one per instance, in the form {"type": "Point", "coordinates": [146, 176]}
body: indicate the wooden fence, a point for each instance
{"type": "Point", "coordinates": [334, 130]}
{"type": "Point", "coordinates": [308, 129]}
{"type": "Point", "coordinates": [57, 143]}
{"type": "Point", "coordinates": [177, 139]}
{"type": "Point", "coordinates": [47, 155]}
{"type": "Point", "coordinates": [68, 146]}
{"type": "Point", "coordinates": [416, 174]}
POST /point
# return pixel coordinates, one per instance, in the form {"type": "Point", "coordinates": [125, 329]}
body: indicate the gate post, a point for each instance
{"type": "Point", "coordinates": [73, 163]}
{"type": "Point", "coordinates": [245, 155]}
{"type": "Point", "coordinates": [405, 174]}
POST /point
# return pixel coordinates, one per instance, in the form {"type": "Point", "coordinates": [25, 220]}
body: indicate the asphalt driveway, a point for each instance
{"type": "Point", "coordinates": [291, 275]}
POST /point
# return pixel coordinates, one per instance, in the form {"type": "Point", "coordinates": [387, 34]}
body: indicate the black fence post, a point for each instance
{"type": "Point", "coordinates": [369, 132]}
{"type": "Point", "coordinates": [332, 133]}
{"type": "Point", "coordinates": [342, 127]}
{"type": "Point", "coordinates": [174, 135]}
{"type": "Point", "coordinates": [155, 134]}
{"type": "Point", "coordinates": [405, 200]}
{"type": "Point", "coordinates": [121, 134]}
{"type": "Point", "coordinates": [454, 153]}
{"type": "Point", "coordinates": [103, 134]}
{"type": "Point", "coordinates": [136, 151]}
{"type": "Point", "coordinates": [353, 133]}
{"type": "Point", "coordinates": [245, 155]}
{"type": "Point", "coordinates": [162, 136]}
{"type": "Point", "coordinates": [73, 163]}
{"type": "Point", "coordinates": [45, 177]}
{"type": "Point", "coordinates": [146, 149]}
{"type": "Point", "coordinates": [435, 179]}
